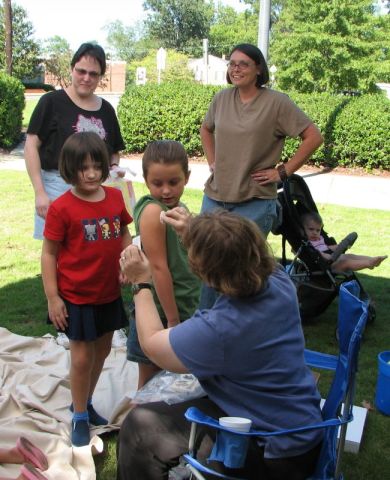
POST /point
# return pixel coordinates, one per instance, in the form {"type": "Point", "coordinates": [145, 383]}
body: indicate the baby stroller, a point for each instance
{"type": "Point", "coordinates": [317, 285]}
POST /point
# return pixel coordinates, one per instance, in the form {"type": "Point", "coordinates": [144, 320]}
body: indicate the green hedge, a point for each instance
{"type": "Point", "coordinates": [167, 111]}
{"type": "Point", "coordinates": [11, 110]}
{"type": "Point", "coordinates": [362, 131]}
{"type": "Point", "coordinates": [355, 129]}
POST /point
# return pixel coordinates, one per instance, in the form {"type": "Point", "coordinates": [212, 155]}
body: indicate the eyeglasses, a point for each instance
{"type": "Point", "coordinates": [241, 65]}
{"type": "Point", "coordinates": [82, 72]}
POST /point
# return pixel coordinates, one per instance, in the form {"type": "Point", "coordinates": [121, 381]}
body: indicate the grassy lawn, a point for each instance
{"type": "Point", "coordinates": [23, 306]}
{"type": "Point", "coordinates": [28, 109]}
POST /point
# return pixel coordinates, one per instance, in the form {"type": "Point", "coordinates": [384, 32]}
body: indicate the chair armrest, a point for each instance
{"type": "Point", "coordinates": [320, 360]}
{"type": "Point", "coordinates": [202, 468]}
{"type": "Point", "coordinates": [193, 414]}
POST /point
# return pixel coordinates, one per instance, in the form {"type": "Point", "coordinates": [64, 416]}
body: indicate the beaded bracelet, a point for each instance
{"type": "Point", "coordinates": [282, 172]}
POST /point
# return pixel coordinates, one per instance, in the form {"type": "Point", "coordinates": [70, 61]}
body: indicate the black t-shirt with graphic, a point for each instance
{"type": "Point", "coordinates": [56, 117]}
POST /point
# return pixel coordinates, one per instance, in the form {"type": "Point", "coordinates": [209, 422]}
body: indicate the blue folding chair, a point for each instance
{"type": "Point", "coordinates": [337, 408]}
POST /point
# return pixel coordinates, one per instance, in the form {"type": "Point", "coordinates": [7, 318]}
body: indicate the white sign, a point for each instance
{"type": "Point", "coordinates": [140, 76]}
{"type": "Point", "coordinates": [161, 57]}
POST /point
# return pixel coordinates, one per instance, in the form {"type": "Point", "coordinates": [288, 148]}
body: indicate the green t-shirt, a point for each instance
{"type": "Point", "coordinates": [186, 285]}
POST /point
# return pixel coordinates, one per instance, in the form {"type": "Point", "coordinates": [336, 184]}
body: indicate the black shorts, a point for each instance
{"type": "Point", "coordinates": [89, 322]}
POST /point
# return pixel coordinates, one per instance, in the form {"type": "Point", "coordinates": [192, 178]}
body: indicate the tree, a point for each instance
{"type": "Point", "coordinates": [330, 46]}
{"type": "Point", "coordinates": [58, 56]}
{"type": "Point", "coordinates": [8, 35]}
{"type": "Point", "coordinates": [179, 24]}
{"type": "Point", "coordinates": [121, 41]}
{"type": "Point", "coordinates": [230, 28]}
{"type": "Point", "coordinates": [127, 43]}
{"type": "Point", "coordinates": [176, 67]}
{"type": "Point", "coordinates": [25, 50]}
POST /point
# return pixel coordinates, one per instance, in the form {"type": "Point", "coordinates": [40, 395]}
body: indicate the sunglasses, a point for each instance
{"type": "Point", "coordinates": [82, 72]}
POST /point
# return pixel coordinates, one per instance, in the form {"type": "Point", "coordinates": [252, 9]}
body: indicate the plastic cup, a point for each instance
{"type": "Point", "coordinates": [239, 424]}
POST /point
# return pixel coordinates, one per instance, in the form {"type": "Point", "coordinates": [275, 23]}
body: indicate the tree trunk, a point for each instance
{"type": "Point", "coordinates": [8, 35]}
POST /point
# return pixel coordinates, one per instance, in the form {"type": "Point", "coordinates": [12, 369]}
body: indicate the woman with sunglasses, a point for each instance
{"type": "Point", "coordinates": [58, 115]}
{"type": "Point", "coordinates": [243, 135]}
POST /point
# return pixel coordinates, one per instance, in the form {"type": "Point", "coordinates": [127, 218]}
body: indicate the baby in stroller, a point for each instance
{"type": "Point", "coordinates": [312, 224]}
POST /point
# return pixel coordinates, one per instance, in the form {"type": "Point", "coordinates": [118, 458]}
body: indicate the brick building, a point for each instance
{"type": "Point", "coordinates": [113, 81]}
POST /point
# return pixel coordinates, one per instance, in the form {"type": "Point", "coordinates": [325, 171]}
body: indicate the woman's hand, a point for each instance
{"type": "Point", "coordinates": [42, 204]}
{"type": "Point", "coordinates": [178, 218]}
{"type": "Point", "coordinates": [134, 265]}
{"type": "Point", "coordinates": [264, 177]}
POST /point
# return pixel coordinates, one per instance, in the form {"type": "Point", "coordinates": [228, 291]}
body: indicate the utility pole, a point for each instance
{"type": "Point", "coordinates": [8, 35]}
{"type": "Point", "coordinates": [206, 61]}
{"type": "Point", "coordinates": [264, 22]}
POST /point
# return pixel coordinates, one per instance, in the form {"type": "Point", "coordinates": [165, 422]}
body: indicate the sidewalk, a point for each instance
{"type": "Point", "coordinates": [348, 190]}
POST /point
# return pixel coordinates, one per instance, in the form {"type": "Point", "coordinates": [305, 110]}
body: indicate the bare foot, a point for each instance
{"type": "Point", "coordinates": [376, 261]}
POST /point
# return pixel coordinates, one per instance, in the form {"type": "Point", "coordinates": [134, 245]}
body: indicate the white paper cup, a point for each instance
{"type": "Point", "coordinates": [240, 424]}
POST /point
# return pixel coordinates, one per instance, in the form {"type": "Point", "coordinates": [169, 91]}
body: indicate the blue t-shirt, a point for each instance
{"type": "Point", "coordinates": [248, 356]}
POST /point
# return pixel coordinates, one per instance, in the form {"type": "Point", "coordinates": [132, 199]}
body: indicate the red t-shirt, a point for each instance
{"type": "Point", "coordinates": [91, 243]}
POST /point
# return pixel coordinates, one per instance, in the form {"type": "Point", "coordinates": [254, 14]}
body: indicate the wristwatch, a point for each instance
{"type": "Point", "coordinates": [136, 287]}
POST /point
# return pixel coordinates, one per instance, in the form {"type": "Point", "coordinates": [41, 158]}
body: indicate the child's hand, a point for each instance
{"type": "Point", "coordinates": [57, 312]}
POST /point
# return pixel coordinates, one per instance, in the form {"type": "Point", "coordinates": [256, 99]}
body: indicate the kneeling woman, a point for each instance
{"type": "Point", "coordinates": [247, 352]}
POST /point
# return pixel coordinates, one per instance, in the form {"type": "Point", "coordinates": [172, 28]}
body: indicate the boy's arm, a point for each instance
{"type": "Point", "coordinates": [126, 237]}
{"type": "Point", "coordinates": [153, 235]}
{"type": "Point", "coordinates": [126, 241]}
{"type": "Point", "coordinates": [56, 306]}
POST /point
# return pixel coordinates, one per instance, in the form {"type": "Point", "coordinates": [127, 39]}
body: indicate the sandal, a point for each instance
{"type": "Point", "coordinates": [31, 473]}
{"type": "Point", "coordinates": [32, 454]}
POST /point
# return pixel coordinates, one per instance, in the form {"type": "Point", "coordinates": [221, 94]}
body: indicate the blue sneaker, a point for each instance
{"type": "Point", "coordinates": [80, 433]}
{"type": "Point", "coordinates": [94, 418]}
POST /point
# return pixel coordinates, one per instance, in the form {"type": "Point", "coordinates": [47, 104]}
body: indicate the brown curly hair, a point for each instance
{"type": "Point", "coordinates": [229, 253]}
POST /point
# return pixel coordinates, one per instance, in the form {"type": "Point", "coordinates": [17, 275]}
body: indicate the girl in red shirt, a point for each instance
{"type": "Point", "coordinates": [85, 231]}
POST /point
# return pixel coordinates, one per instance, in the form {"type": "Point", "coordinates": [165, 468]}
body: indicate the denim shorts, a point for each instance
{"type": "Point", "coordinates": [262, 211]}
{"type": "Point", "coordinates": [134, 350]}
{"type": "Point", "coordinates": [54, 186]}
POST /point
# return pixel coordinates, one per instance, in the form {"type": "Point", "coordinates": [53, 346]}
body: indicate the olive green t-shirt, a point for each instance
{"type": "Point", "coordinates": [249, 137]}
{"type": "Point", "coordinates": [186, 285]}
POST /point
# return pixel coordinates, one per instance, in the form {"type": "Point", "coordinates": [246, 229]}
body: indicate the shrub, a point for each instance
{"type": "Point", "coordinates": [166, 111]}
{"type": "Point", "coordinates": [355, 129]}
{"type": "Point", "coordinates": [11, 110]}
{"type": "Point", "coordinates": [362, 134]}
